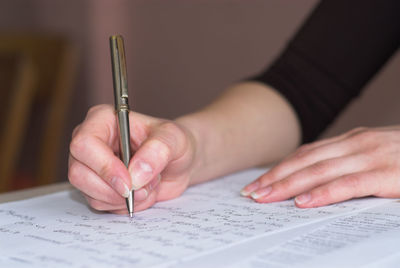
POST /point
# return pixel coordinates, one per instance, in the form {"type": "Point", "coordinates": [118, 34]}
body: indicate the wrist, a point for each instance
{"type": "Point", "coordinates": [194, 126]}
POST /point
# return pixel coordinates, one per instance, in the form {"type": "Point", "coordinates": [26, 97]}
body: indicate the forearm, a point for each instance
{"type": "Point", "coordinates": [249, 125]}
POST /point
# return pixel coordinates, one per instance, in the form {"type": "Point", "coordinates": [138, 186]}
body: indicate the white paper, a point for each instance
{"type": "Point", "coordinates": [209, 225]}
{"type": "Point", "coordinates": [369, 237]}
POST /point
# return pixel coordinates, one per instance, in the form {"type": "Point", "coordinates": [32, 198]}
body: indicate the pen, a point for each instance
{"type": "Point", "coordinates": [118, 63]}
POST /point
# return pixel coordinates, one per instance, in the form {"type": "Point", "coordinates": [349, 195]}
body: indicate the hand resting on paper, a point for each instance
{"type": "Point", "coordinates": [361, 162]}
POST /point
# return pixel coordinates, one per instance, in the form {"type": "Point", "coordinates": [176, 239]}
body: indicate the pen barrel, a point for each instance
{"type": "Point", "coordinates": [124, 135]}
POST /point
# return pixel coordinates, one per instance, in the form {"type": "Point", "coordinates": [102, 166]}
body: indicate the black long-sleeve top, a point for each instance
{"type": "Point", "coordinates": [338, 49]}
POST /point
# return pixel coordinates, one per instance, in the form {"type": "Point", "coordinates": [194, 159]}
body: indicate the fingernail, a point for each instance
{"type": "Point", "coordinates": [140, 173]}
{"type": "Point", "coordinates": [119, 185]}
{"type": "Point", "coordinates": [140, 195]}
{"type": "Point", "coordinates": [261, 193]}
{"type": "Point", "coordinates": [302, 199]}
{"type": "Point", "coordinates": [246, 191]}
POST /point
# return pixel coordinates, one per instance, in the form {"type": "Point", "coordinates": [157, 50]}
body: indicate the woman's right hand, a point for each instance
{"type": "Point", "coordinates": [163, 161]}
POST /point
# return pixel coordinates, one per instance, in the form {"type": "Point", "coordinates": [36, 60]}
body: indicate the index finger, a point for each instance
{"type": "Point", "coordinates": [94, 146]}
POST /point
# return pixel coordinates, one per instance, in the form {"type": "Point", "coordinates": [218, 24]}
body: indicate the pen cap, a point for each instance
{"type": "Point", "coordinates": [119, 71]}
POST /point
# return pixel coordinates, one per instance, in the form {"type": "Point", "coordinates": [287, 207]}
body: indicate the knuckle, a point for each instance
{"type": "Point", "coordinates": [276, 172]}
{"type": "Point", "coordinates": [99, 108]}
{"type": "Point", "coordinates": [170, 126]}
{"type": "Point", "coordinates": [385, 146]}
{"type": "Point", "coordinates": [357, 130]}
{"type": "Point", "coordinates": [303, 153]}
{"type": "Point", "coordinates": [78, 144]}
{"type": "Point", "coordinates": [74, 173]}
{"type": "Point", "coordinates": [174, 130]}
{"type": "Point", "coordinates": [161, 148]}
{"type": "Point", "coordinates": [320, 168]}
{"type": "Point", "coordinates": [95, 204]}
{"type": "Point", "coordinates": [352, 182]}
{"type": "Point", "coordinates": [304, 148]}
{"type": "Point", "coordinates": [106, 169]}
{"type": "Point", "coordinates": [76, 130]}
{"type": "Point", "coordinates": [380, 149]}
{"type": "Point", "coordinates": [173, 133]}
{"type": "Point", "coordinates": [174, 137]}
{"type": "Point", "coordinates": [366, 136]}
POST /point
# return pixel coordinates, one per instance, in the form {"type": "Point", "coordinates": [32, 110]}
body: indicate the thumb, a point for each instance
{"type": "Point", "coordinates": [165, 144]}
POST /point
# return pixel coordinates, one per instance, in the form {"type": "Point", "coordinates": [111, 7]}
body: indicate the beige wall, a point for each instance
{"type": "Point", "coordinates": [181, 53]}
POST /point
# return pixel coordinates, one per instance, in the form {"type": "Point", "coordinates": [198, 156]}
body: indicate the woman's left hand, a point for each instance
{"type": "Point", "coordinates": [361, 162]}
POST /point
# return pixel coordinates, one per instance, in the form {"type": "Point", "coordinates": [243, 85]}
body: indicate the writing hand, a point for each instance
{"type": "Point", "coordinates": [159, 170]}
{"type": "Point", "coordinates": [362, 162]}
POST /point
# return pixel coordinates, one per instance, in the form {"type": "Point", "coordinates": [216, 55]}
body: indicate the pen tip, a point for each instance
{"type": "Point", "coordinates": [131, 214]}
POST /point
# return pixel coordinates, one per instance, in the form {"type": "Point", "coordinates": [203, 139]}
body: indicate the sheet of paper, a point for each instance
{"type": "Point", "coordinates": [209, 221]}
{"type": "Point", "coordinates": [369, 237]}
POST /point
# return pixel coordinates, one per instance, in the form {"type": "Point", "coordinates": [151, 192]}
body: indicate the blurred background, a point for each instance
{"type": "Point", "coordinates": [55, 64]}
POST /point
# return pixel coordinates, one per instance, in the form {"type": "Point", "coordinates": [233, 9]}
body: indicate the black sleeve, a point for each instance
{"type": "Point", "coordinates": [334, 54]}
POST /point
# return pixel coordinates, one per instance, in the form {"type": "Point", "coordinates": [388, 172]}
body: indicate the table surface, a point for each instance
{"type": "Point", "coordinates": [36, 191]}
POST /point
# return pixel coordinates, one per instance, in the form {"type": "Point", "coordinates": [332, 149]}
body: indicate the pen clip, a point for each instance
{"type": "Point", "coordinates": [119, 71]}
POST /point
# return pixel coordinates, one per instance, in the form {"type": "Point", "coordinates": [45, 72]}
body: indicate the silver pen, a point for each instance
{"type": "Point", "coordinates": [121, 104]}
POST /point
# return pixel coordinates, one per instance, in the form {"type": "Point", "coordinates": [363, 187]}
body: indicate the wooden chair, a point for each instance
{"type": "Point", "coordinates": [34, 70]}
